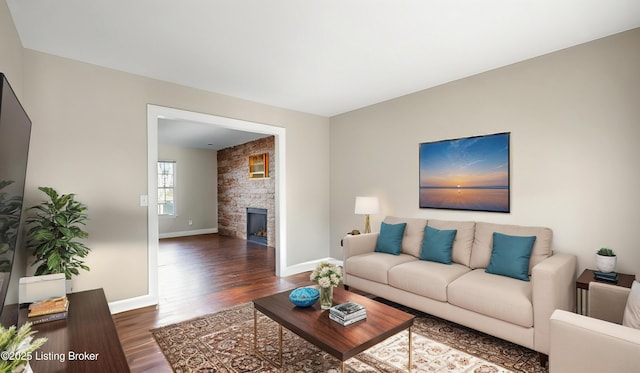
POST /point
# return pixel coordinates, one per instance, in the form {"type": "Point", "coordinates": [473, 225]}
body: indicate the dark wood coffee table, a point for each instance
{"type": "Point", "coordinates": [342, 342]}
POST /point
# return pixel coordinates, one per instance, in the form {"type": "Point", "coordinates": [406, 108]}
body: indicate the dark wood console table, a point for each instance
{"type": "Point", "coordinates": [87, 341]}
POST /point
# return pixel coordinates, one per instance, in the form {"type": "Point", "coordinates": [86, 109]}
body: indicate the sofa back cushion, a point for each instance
{"type": "Point", "coordinates": [413, 233]}
{"type": "Point", "coordinates": [483, 242]}
{"type": "Point", "coordinates": [461, 252]}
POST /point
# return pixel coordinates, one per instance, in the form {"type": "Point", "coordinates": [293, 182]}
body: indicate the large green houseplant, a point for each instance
{"type": "Point", "coordinates": [54, 234]}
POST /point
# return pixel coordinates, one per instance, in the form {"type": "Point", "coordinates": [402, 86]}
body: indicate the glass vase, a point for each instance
{"type": "Point", "coordinates": [326, 297]}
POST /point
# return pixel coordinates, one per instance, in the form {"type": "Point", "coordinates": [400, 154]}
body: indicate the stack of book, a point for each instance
{"type": "Point", "coordinates": [48, 310]}
{"type": "Point", "coordinates": [347, 313]}
{"type": "Point", "coordinates": [608, 276]}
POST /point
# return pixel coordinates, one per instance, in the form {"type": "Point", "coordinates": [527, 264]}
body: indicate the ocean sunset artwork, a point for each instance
{"type": "Point", "coordinates": [471, 173]}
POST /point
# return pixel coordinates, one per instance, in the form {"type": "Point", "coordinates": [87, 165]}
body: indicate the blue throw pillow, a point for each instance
{"type": "Point", "coordinates": [390, 238]}
{"type": "Point", "coordinates": [437, 245]}
{"type": "Point", "coordinates": [510, 256]}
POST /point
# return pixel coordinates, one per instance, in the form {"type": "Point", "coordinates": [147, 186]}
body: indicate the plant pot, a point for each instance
{"type": "Point", "coordinates": [606, 264]}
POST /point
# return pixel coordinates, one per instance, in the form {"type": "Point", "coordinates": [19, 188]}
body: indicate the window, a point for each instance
{"type": "Point", "coordinates": [166, 188]}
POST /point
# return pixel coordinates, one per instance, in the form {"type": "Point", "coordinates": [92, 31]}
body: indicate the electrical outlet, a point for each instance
{"type": "Point", "coordinates": [190, 222]}
{"type": "Point", "coordinates": [144, 200]}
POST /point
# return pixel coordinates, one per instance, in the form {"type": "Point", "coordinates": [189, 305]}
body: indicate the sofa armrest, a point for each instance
{"type": "Point", "coordinates": [584, 344]}
{"type": "Point", "coordinates": [554, 287]}
{"type": "Point", "coordinates": [355, 245]}
{"type": "Point", "coordinates": [359, 244]}
{"type": "Point", "coordinates": [607, 302]}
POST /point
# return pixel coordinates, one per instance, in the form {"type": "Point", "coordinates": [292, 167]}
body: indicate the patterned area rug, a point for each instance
{"type": "Point", "coordinates": [223, 342]}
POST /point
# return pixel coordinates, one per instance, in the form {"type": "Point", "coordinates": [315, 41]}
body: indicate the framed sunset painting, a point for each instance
{"type": "Point", "coordinates": [470, 173]}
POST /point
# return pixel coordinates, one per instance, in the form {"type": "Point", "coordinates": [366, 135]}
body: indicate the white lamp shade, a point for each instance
{"type": "Point", "coordinates": [366, 205]}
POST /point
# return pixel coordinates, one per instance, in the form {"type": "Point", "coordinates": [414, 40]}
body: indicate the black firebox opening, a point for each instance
{"type": "Point", "coordinates": [257, 225]}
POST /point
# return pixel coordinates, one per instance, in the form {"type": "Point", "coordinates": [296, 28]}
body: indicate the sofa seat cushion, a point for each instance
{"type": "Point", "coordinates": [496, 296]}
{"type": "Point", "coordinates": [375, 266]}
{"type": "Point", "coordinates": [428, 279]}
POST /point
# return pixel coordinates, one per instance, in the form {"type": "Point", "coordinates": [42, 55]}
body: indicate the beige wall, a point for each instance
{"type": "Point", "coordinates": [573, 116]}
{"type": "Point", "coordinates": [196, 191]}
{"type": "Point", "coordinates": [89, 137]}
{"type": "Point", "coordinates": [10, 50]}
{"type": "Point", "coordinates": [574, 122]}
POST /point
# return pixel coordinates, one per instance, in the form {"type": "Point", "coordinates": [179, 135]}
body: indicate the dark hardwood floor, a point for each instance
{"type": "Point", "coordinates": [199, 275]}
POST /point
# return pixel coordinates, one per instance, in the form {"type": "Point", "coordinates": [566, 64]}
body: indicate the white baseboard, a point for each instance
{"type": "Point", "coordinates": [307, 266]}
{"type": "Point", "coordinates": [132, 303]}
{"type": "Point", "coordinates": [194, 232]}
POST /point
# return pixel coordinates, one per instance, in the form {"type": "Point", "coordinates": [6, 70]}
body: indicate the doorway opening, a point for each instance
{"type": "Point", "coordinates": [154, 114]}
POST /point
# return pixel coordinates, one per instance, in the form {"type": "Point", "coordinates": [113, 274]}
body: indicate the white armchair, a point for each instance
{"type": "Point", "coordinates": [598, 343]}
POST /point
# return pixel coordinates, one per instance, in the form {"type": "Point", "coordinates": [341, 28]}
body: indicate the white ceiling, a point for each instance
{"type": "Point", "coordinates": [321, 57]}
{"type": "Point", "coordinates": [189, 134]}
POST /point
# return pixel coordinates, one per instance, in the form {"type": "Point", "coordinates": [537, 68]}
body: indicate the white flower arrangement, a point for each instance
{"type": "Point", "coordinates": [327, 275]}
{"type": "Point", "coordinates": [16, 346]}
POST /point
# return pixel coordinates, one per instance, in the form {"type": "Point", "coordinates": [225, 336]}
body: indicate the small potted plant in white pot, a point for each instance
{"type": "Point", "coordinates": [606, 260]}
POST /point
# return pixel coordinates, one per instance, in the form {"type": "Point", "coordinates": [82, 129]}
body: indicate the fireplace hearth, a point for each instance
{"type": "Point", "coordinates": [257, 225]}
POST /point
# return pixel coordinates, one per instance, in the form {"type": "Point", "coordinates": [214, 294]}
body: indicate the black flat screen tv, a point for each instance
{"type": "Point", "coordinates": [15, 133]}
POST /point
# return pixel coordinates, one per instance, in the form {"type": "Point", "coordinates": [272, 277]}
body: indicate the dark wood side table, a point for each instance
{"type": "Point", "coordinates": [582, 287]}
{"type": "Point", "coordinates": [87, 341]}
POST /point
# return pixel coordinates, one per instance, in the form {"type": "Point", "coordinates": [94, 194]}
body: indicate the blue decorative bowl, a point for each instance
{"type": "Point", "coordinates": [304, 297]}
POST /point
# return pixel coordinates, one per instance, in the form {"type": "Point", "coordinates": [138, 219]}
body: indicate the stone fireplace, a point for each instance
{"type": "Point", "coordinates": [257, 225]}
{"type": "Point", "coordinates": [238, 194]}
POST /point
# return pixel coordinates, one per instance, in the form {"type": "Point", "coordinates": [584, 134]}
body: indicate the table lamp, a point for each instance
{"type": "Point", "coordinates": [366, 206]}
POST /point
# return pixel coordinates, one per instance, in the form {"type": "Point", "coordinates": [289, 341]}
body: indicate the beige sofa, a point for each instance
{"type": "Point", "coordinates": [462, 292]}
{"type": "Point", "coordinates": [597, 343]}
